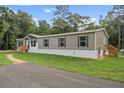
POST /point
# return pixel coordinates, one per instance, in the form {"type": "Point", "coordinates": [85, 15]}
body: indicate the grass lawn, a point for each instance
{"type": "Point", "coordinates": [121, 54]}
{"type": "Point", "coordinates": [3, 59]}
{"type": "Point", "coordinates": [110, 68]}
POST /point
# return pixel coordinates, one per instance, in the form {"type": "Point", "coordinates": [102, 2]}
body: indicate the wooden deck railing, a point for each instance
{"type": "Point", "coordinates": [22, 48]}
{"type": "Point", "coordinates": [112, 51]}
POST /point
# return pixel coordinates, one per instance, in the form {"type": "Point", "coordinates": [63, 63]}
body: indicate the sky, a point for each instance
{"type": "Point", "coordinates": [45, 12]}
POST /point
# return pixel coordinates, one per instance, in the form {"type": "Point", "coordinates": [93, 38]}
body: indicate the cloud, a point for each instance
{"type": "Point", "coordinates": [35, 19]}
{"type": "Point", "coordinates": [93, 19]}
{"type": "Point", "coordinates": [53, 9]}
{"type": "Point", "coordinates": [15, 11]}
{"type": "Point", "coordinates": [49, 10]}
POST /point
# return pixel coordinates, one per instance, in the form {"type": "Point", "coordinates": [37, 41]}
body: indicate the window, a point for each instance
{"type": "Point", "coordinates": [83, 41]}
{"type": "Point", "coordinates": [33, 43]}
{"type": "Point", "coordinates": [46, 43]}
{"type": "Point", "coordinates": [61, 42]}
{"type": "Point", "coordinates": [20, 43]}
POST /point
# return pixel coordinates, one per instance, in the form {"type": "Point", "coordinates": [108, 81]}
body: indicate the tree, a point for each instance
{"type": "Point", "coordinates": [112, 22]}
{"type": "Point", "coordinates": [62, 12]}
{"type": "Point", "coordinates": [8, 29]}
{"type": "Point", "coordinates": [57, 24]}
{"type": "Point", "coordinates": [119, 13]}
{"type": "Point", "coordinates": [14, 25]}
{"type": "Point", "coordinates": [80, 23]}
{"type": "Point", "coordinates": [4, 26]}
{"type": "Point", "coordinates": [74, 21]}
{"type": "Point", "coordinates": [25, 24]}
{"type": "Point", "coordinates": [43, 27]}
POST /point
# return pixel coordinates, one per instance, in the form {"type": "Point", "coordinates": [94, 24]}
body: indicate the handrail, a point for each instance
{"type": "Point", "coordinates": [22, 48]}
{"type": "Point", "coordinates": [113, 50]}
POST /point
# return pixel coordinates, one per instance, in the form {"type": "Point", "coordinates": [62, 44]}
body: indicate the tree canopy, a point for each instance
{"type": "Point", "coordinates": [114, 23]}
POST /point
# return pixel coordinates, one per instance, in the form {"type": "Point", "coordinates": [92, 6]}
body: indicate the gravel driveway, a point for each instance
{"type": "Point", "coordinates": [32, 75]}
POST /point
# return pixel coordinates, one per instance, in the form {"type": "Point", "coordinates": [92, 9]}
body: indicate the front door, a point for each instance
{"type": "Point", "coordinates": [33, 44]}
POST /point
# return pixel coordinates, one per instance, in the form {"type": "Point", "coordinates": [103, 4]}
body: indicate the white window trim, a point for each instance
{"type": "Point", "coordinates": [20, 43]}
{"type": "Point", "coordinates": [33, 42]}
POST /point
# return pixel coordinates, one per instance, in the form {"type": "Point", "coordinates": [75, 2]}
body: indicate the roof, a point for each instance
{"type": "Point", "coordinates": [20, 39]}
{"type": "Point", "coordinates": [71, 33]}
{"type": "Point", "coordinates": [34, 35]}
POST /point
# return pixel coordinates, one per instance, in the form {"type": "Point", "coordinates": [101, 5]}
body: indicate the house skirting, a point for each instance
{"type": "Point", "coordinates": [74, 53]}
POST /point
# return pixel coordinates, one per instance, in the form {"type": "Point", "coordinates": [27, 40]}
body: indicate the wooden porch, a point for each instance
{"type": "Point", "coordinates": [110, 50]}
{"type": "Point", "coordinates": [22, 48]}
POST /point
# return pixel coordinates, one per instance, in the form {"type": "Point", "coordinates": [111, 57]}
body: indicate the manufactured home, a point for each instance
{"type": "Point", "coordinates": [86, 44]}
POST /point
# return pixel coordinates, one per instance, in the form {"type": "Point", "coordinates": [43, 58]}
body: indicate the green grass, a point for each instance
{"type": "Point", "coordinates": [3, 59]}
{"type": "Point", "coordinates": [121, 54]}
{"type": "Point", "coordinates": [110, 68]}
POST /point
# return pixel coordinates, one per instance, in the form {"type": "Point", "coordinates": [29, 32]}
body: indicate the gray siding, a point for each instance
{"type": "Point", "coordinates": [21, 40]}
{"type": "Point", "coordinates": [71, 42]}
{"type": "Point", "coordinates": [101, 39]}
